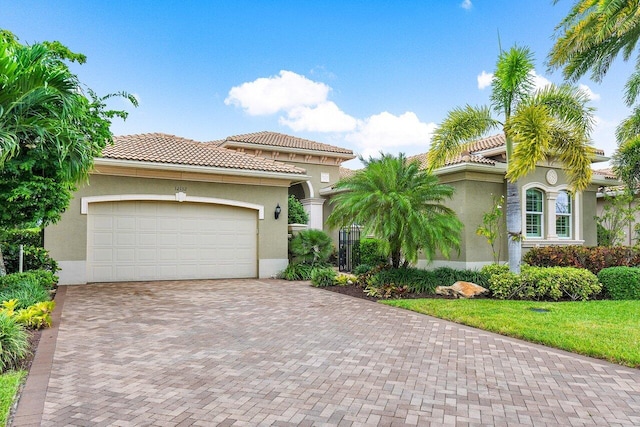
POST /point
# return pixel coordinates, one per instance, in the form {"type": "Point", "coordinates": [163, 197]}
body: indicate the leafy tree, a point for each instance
{"type": "Point", "coordinates": [296, 212]}
{"type": "Point", "coordinates": [553, 122]}
{"type": "Point", "coordinates": [51, 128]}
{"type": "Point", "coordinates": [400, 204]}
{"type": "Point", "coordinates": [618, 215]}
{"type": "Point", "coordinates": [626, 163]}
{"type": "Point", "coordinates": [492, 227]}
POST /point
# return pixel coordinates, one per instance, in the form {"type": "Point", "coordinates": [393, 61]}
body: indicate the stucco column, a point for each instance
{"type": "Point", "coordinates": [551, 215]}
{"type": "Point", "coordinates": [313, 206]}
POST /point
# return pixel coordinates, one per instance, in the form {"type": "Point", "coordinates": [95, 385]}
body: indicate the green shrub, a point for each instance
{"type": "Point", "coordinates": [446, 276]}
{"type": "Point", "coordinates": [296, 271]}
{"type": "Point", "coordinates": [362, 269]}
{"type": "Point", "coordinates": [45, 278]}
{"type": "Point", "coordinates": [416, 280]}
{"type": "Point", "coordinates": [35, 256]}
{"type": "Point", "coordinates": [620, 283]}
{"type": "Point", "coordinates": [14, 343]}
{"type": "Point", "coordinates": [311, 247]}
{"type": "Point", "coordinates": [386, 291]}
{"type": "Point", "coordinates": [593, 259]}
{"type": "Point", "coordinates": [28, 292]}
{"type": "Point", "coordinates": [491, 269]}
{"type": "Point", "coordinates": [504, 284]}
{"type": "Point", "coordinates": [323, 277]}
{"type": "Point", "coordinates": [370, 252]}
{"type": "Point", "coordinates": [541, 283]}
{"type": "Point", "coordinates": [297, 214]}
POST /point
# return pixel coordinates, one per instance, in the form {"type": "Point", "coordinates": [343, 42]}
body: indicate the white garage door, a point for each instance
{"type": "Point", "coordinates": [141, 240]}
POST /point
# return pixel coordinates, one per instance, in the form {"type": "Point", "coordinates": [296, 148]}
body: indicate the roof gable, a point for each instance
{"type": "Point", "coordinates": [171, 149]}
{"type": "Point", "coordinates": [274, 139]}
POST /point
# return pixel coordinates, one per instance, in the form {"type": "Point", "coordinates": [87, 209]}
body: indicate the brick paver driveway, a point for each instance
{"type": "Point", "coordinates": [253, 352]}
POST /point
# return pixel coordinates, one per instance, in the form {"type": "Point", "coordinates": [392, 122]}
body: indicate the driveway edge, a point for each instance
{"type": "Point", "coordinates": [30, 407]}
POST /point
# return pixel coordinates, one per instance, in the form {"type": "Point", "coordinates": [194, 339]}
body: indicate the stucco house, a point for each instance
{"type": "Point", "coordinates": [161, 207]}
{"type": "Point", "coordinates": [158, 206]}
{"type": "Point", "coordinates": [613, 188]}
{"type": "Point", "coordinates": [551, 215]}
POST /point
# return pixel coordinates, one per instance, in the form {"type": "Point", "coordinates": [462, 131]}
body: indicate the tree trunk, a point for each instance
{"type": "Point", "coordinates": [514, 227]}
{"type": "Point", "coordinates": [3, 269]}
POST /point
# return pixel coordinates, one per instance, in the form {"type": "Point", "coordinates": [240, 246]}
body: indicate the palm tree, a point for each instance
{"type": "Point", "coordinates": [396, 201]}
{"type": "Point", "coordinates": [590, 38]}
{"type": "Point", "coordinates": [551, 122]}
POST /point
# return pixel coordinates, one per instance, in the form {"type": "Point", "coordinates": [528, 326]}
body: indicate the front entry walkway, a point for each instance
{"type": "Point", "coordinates": [269, 352]}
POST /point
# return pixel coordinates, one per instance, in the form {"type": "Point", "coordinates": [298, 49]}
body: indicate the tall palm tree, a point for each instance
{"type": "Point", "coordinates": [590, 37]}
{"type": "Point", "coordinates": [553, 122]}
{"type": "Point", "coordinates": [401, 204]}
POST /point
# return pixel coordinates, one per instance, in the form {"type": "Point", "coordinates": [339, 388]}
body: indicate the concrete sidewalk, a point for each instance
{"type": "Point", "coordinates": [270, 352]}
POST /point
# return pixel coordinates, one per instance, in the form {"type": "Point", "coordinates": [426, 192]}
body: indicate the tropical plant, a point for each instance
{"type": "Point", "coordinates": [37, 316]}
{"type": "Point", "coordinates": [28, 292]}
{"type": "Point", "coordinates": [492, 227]}
{"type": "Point", "coordinates": [312, 247]}
{"type": "Point", "coordinates": [51, 128]}
{"type": "Point", "coordinates": [402, 205]}
{"type": "Point", "coordinates": [617, 216]}
{"type": "Point", "coordinates": [323, 277]}
{"type": "Point", "coordinates": [14, 343]}
{"type": "Point", "coordinates": [553, 122]}
{"type": "Point", "coordinates": [589, 39]}
{"type": "Point", "coordinates": [296, 212]}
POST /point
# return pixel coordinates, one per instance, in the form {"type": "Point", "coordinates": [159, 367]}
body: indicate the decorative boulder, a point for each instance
{"type": "Point", "coordinates": [462, 290]}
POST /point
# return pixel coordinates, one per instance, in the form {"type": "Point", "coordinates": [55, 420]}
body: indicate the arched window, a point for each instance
{"type": "Point", "coordinates": [534, 212]}
{"type": "Point", "coordinates": [563, 215]}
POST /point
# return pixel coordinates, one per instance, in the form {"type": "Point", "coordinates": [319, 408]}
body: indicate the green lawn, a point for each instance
{"type": "Point", "coordinates": [607, 330]}
{"type": "Point", "coordinates": [9, 383]}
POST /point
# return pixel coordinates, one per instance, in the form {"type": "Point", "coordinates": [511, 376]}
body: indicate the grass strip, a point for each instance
{"type": "Point", "coordinates": [608, 330]}
{"type": "Point", "coordinates": [9, 384]}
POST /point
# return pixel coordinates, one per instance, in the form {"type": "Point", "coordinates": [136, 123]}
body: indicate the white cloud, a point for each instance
{"type": "Point", "coordinates": [539, 82]}
{"type": "Point", "coordinates": [484, 79]}
{"type": "Point", "coordinates": [325, 117]}
{"type": "Point", "coordinates": [268, 95]}
{"type": "Point", "coordinates": [592, 96]}
{"type": "Point", "coordinates": [385, 131]}
{"type": "Point", "coordinates": [303, 106]}
{"type": "Point", "coordinates": [466, 4]}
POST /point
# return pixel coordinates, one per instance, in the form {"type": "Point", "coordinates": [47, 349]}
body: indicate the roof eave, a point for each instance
{"type": "Point", "coordinates": [232, 143]}
{"type": "Point", "coordinates": [497, 169]}
{"type": "Point", "coordinates": [101, 161]}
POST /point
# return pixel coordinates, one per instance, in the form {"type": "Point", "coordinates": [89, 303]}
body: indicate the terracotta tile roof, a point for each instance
{"type": "Point", "coordinates": [171, 149]}
{"type": "Point", "coordinates": [422, 158]}
{"type": "Point", "coordinates": [346, 172]}
{"type": "Point", "coordinates": [281, 140]}
{"type": "Point", "coordinates": [496, 141]}
{"type": "Point", "coordinates": [606, 173]}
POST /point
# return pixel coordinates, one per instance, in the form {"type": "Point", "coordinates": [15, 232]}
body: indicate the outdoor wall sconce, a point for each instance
{"type": "Point", "coordinates": [278, 210]}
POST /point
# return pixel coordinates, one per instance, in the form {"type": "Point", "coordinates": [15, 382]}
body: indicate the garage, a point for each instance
{"type": "Point", "coordinates": [151, 240]}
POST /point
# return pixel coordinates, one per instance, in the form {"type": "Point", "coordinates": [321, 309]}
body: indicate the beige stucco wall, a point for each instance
{"type": "Point", "coordinates": [629, 229]}
{"type": "Point", "coordinates": [67, 239]}
{"type": "Point", "coordinates": [473, 197]}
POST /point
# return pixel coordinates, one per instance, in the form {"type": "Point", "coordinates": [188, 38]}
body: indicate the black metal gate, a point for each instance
{"type": "Point", "coordinates": [349, 248]}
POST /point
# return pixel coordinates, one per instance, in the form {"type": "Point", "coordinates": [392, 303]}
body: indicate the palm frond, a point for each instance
{"type": "Point", "coordinates": [460, 127]}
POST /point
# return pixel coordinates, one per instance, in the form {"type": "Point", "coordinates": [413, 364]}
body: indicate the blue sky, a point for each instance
{"type": "Point", "coordinates": [367, 75]}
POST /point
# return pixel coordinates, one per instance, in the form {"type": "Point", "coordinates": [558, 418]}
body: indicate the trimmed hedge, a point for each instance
{"type": "Point", "coordinates": [368, 252]}
{"type": "Point", "coordinates": [545, 283]}
{"type": "Point", "coordinates": [593, 259]}
{"type": "Point", "coordinates": [620, 283]}
{"type": "Point", "coordinates": [323, 277]}
{"type": "Point", "coordinates": [45, 279]}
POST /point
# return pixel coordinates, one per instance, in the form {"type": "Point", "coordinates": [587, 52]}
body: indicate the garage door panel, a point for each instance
{"type": "Point", "coordinates": [145, 240]}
